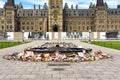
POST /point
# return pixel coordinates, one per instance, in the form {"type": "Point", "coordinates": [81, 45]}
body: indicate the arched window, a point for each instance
{"type": "Point", "coordinates": [55, 14]}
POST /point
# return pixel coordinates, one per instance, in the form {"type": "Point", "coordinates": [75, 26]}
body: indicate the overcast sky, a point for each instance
{"type": "Point", "coordinates": [83, 4]}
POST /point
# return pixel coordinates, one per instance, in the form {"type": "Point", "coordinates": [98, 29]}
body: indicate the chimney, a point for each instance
{"type": "Point", "coordinates": [34, 7]}
{"type": "Point", "coordinates": [72, 6]}
{"type": "Point", "coordinates": [76, 6]}
{"type": "Point", "coordinates": [39, 7]}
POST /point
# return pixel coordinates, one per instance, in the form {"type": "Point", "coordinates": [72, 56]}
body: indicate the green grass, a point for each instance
{"type": "Point", "coordinates": [108, 44]}
{"type": "Point", "coordinates": [9, 44]}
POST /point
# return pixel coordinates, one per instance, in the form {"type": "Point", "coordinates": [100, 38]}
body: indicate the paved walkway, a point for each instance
{"type": "Point", "coordinates": [107, 69]}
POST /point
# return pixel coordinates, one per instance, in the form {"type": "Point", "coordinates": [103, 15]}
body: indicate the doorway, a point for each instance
{"type": "Point", "coordinates": [55, 28]}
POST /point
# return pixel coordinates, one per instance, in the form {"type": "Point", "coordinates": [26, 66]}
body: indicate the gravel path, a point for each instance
{"type": "Point", "coordinates": [107, 69]}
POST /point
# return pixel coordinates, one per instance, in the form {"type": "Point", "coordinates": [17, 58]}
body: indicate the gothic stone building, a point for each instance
{"type": "Point", "coordinates": [56, 18]}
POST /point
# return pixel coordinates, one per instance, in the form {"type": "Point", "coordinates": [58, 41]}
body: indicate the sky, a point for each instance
{"type": "Point", "coordinates": [82, 4]}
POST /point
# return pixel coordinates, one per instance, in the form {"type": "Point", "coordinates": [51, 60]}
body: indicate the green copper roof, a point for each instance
{"type": "Point", "coordinates": [45, 6]}
{"type": "Point", "coordinates": [20, 5]}
{"type": "Point", "coordinates": [66, 6]}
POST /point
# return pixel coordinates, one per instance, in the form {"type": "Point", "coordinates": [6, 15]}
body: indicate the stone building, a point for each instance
{"type": "Point", "coordinates": [56, 17]}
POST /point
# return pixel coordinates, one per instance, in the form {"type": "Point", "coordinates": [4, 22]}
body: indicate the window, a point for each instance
{"type": "Point", "coordinates": [101, 21]}
{"type": "Point", "coordinates": [27, 28]}
{"type": "Point", "coordinates": [83, 28]}
{"type": "Point", "coordinates": [79, 27]}
{"type": "Point", "coordinates": [2, 22]}
{"type": "Point", "coordinates": [70, 23]}
{"type": "Point", "coordinates": [70, 28]}
{"type": "Point", "coordinates": [55, 14]}
{"type": "Point", "coordinates": [18, 14]}
{"type": "Point", "coordinates": [23, 28]}
{"type": "Point", "coordinates": [79, 23]}
{"type": "Point", "coordinates": [31, 28]}
{"type": "Point", "coordinates": [112, 22]}
{"type": "Point", "coordinates": [103, 26]}
{"type": "Point", "coordinates": [11, 27]}
{"type": "Point", "coordinates": [115, 26]}
{"type": "Point", "coordinates": [1, 11]}
{"type": "Point", "coordinates": [87, 28]}
{"type": "Point", "coordinates": [40, 28]}
{"type": "Point", "coordinates": [32, 23]}
{"type": "Point", "coordinates": [87, 23]}
{"type": "Point", "coordinates": [83, 23]}
{"type": "Point", "coordinates": [23, 23]}
{"type": "Point", "coordinates": [112, 26]}
{"type": "Point", "coordinates": [27, 23]}
{"type": "Point", "coordinates": [2, 27]}
{"type": "Point", "coordinates": [99, 26]}
{"type": "Point", "coordinates": [7, 26]}
{"type": "Point", "coordinates": [9, 22]}
{"type": "Point", "coordinates": [40, 23]}
{"type": "Point", "coordinates": [9, 12]}
{"type": "Point", "coordinates": [115, 21]}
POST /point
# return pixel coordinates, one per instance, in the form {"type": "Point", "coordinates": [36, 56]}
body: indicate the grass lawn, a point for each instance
{"type": "Point", "coordinates": [9, 44]}
{"type": "Point", "coordinates": [108, 44]}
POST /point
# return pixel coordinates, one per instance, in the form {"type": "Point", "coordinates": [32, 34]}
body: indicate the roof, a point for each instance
{"type": "Point", "coordinates": [32, 13]}
{"type": "Point", "coordinates": [114, 11]}
{"type": "Point", "coordinates": [79, 12]}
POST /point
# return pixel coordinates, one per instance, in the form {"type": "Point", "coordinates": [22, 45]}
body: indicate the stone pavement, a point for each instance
{"type": "Point", "coordinates": [107, 69]}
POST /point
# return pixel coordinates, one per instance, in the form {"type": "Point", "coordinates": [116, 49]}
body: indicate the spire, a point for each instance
{"type": "Point", "coordinates": [45, 6]}
{"type": "Point", "coordinates": [66, 6]}
{"type": "Point", "coordinates": [105, 4]}
{"type": "Point", "coordinates": [92, 6]}
{"type": "Point", "coordinates": [20, 5]}
{"type": "Point", "coordinates": [100, 3]}
{"type": "Point", "coordinates": [10, 3]}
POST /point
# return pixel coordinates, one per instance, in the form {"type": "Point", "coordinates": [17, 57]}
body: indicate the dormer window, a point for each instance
{"type": "Point", "coordinates": [18, 14]}
{"type": "Point", "coordinates": [115, 12]}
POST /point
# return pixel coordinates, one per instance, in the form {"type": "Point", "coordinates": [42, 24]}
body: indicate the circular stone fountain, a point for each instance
{"type": "Point", "coordinates": [57, 52]}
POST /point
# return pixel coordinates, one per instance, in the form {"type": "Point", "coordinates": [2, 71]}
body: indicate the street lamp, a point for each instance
{"type": "Point", "coordinates": [23, 35]}
{"type": "Point", "coordinates": [89, 35]}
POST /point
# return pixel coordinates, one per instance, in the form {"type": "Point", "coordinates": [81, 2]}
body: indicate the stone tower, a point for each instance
{"type": "Point", "coordinates": [101, 16]}
{"type": "Point", "coordinates": [10, 16]}
{"type": "Point", "coordinates": [55, 16]}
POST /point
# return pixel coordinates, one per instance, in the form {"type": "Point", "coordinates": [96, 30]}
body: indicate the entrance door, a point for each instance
{"type": "Point", "coordinates": [56, 35]}
{"type": "Point", "coordinates": [55, 28]}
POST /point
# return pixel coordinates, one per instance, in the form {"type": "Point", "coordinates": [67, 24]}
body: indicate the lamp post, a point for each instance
{"type": "Point", "coordinates": [89, 35]}
{"type": "Point", "coordinates": [23, 35]}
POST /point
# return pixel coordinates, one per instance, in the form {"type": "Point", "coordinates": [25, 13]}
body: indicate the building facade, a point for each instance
{"type": "Point", "coordinates": [56, 18]}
